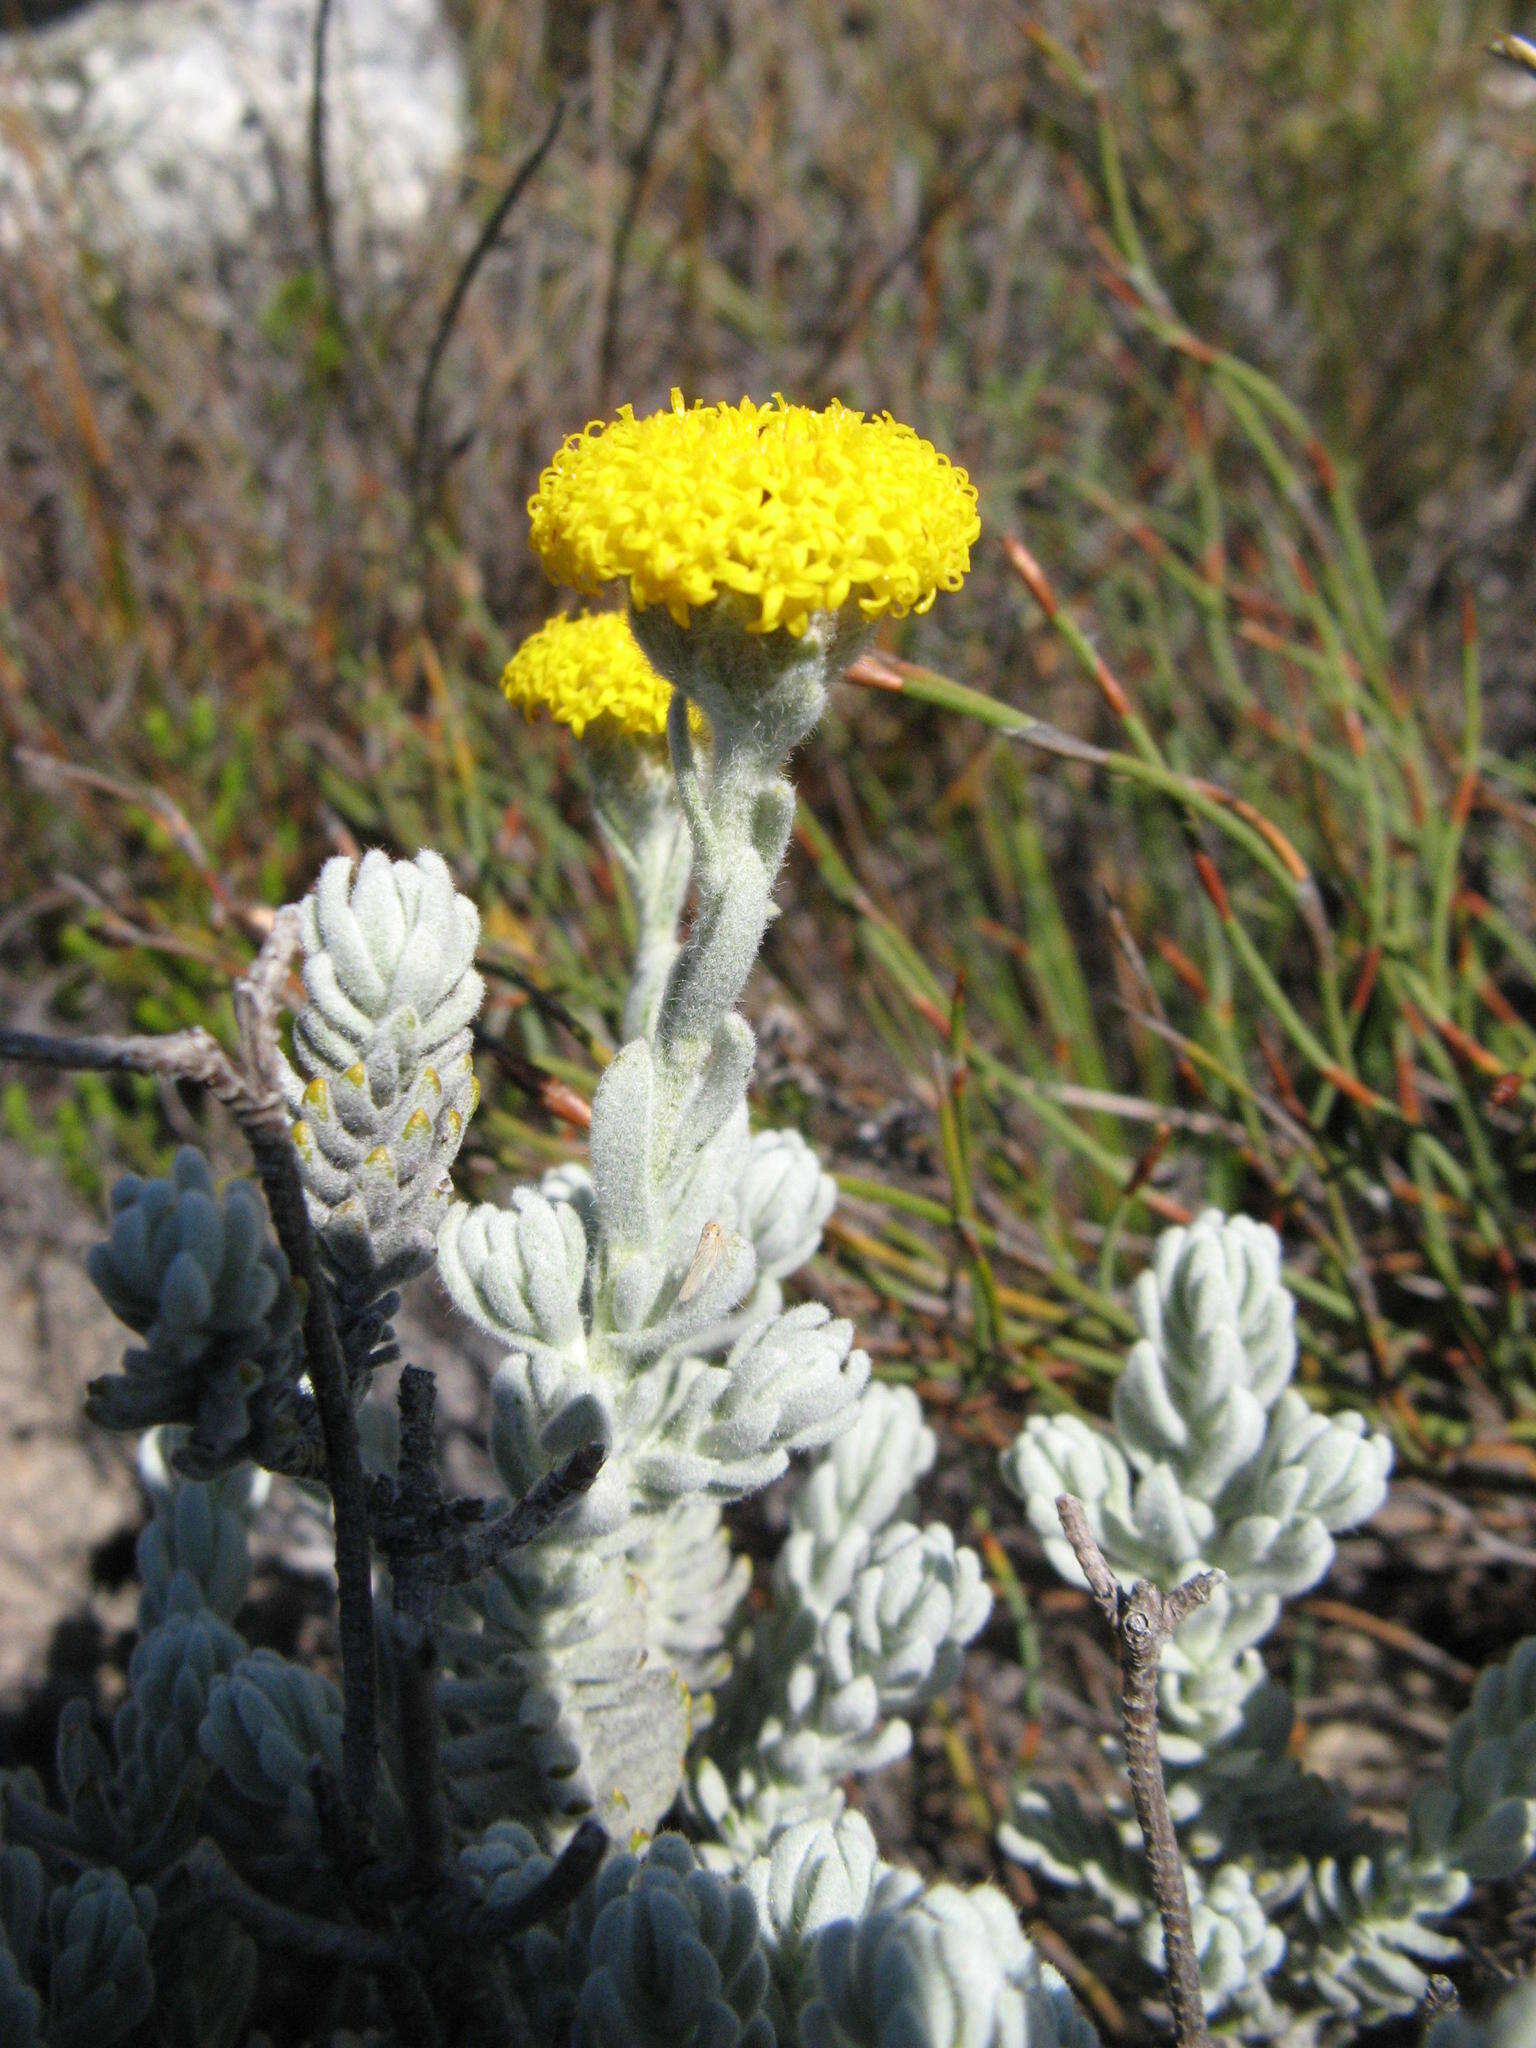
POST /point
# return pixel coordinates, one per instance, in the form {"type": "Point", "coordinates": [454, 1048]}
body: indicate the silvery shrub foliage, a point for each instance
{"type": "Point", "coordinates": [1310, 1921]}
{"type": "Point", "coordinates": [610, 1669]}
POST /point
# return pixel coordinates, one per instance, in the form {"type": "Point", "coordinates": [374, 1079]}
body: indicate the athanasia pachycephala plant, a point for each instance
{"type": "Point", "coordinates": [577, 1664]}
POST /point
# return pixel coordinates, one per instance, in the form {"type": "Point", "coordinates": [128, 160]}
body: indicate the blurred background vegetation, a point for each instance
{"type": "Point", "coordinates": [1231, 312]}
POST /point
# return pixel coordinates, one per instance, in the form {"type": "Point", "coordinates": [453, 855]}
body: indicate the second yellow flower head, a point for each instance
{"type": "Point", "coordinates": [791, 511]}
{"type": "Point", "coordinates": [588, 671]}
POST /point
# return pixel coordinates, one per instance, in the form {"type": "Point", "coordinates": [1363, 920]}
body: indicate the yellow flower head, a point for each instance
{"type": "Point", "coordinates": [791, 511]}
{"type": "Point", "coordinates": [588, 671]}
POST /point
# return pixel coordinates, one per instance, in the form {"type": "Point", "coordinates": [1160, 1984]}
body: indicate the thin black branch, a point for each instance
{"type": "Point", "coordinates": [337, 1841]}
{"type": "Point", "coordinates": [264, 1119]}
{"type": "Point", "coordinates": [414, 1632]}
{"type": "Point", "coordinates": [327, 1941]}
{"type": "Point", "coordinates": [321, 208]}
{"type": "Point", "coordinates": [1143, 1620]}
{"type": "Point", "coordinates": [587, 1036]}
{"type": "Point", "coordinates": [361, 360]}
{"type": "Point", "coordinates": [573, 1871]}
{"type": "Point", "coordinates": [485, 241]}
{"type": "Point", "coordinates": [477, 1550]}
{"type": "Point", "coordinates": [420, 1729]}
{"type": "Point", "coordinates": [432, 1543]}
{"type": "Point", "coordinates": [330, 1941]}
{"type": "Point", "coordinates": [417, 1491]}
{"type": "Point", "coordinates": [639, 170]}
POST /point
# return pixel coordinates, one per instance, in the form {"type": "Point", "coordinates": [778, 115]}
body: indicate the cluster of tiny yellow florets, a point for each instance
{"type": "Point", "coordinates": [588, 671]}
{"type": "Point", "coordinates": [791, 511]}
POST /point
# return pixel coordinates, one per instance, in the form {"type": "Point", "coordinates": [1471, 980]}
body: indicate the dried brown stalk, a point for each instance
{"type": "Point", "coordinates": [1143, 1619]}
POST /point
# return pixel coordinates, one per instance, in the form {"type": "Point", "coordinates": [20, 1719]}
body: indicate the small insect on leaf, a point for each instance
{"type": "Point", "coordinates": [711, 1249]}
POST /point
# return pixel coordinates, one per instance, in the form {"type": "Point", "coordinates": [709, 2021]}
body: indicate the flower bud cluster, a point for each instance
{"type": "Point", "coordinates": [381, 1083]}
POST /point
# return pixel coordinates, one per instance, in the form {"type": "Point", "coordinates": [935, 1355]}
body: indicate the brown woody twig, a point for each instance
{"type": "Point", "coordinates": [1143, 1620]}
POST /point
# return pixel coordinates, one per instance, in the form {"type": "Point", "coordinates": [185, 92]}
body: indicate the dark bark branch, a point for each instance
{"type": "Point", "coordinates": [428, 1547]}
{"type": "Point", "coordinates": [1102, 1582]}
{"type": "Point", "coordinates": [193, 1055]}
{"type": "Point", "coordinates": [416, 1666]}
{"type": "Point", "coordinates": [263, 1117]}
{"type": "Point", "coordinates": [304, 1934]}
{"type": "Point", "coordinates": [478, 1549]}
{"type": "Point", "coordinates": [329, 1941]}
{"type": "Point", "coordinates": [419, 1498]}
{"type": "Point", "coordinates": [1143, 1620]}
{"type": "Point", "coordinates": [573, 1871]}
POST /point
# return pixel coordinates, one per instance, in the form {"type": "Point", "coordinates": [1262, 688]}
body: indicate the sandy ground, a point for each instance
{"type": "Point", "coordinates": [69, 1500]}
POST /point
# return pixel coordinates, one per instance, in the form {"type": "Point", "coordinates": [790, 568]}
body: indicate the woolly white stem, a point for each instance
{"type": "Point", "coordinates": [762, 694]}
{"type": "Point", "coordinates": [638, 811]}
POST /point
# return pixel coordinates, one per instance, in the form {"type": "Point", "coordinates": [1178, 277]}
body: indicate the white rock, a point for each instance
{"type": "Point", "coordinates": [171, 130]}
